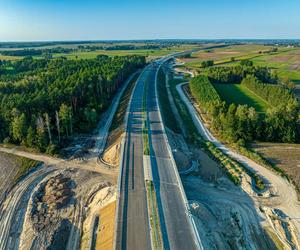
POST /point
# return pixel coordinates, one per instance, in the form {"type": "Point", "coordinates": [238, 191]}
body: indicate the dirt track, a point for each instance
{"type": "Point", "coordinates": [50, 160]}
{"type": "Point", "coordinates": [282, 194]}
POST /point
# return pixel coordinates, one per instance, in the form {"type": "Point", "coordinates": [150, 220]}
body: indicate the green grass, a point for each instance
{"type": "Point", "coordinates": [10, 58]}
{"type": "Point", "coordinates": [232, 168]}
{"type": "Point", "coordinates": [154, 216]}
{"type": "Point", "coordinates": [239, 94]}
{"type": "Point", "coordinates": [222, 56]}
{"type": "Point", "coordinates": [145, 131]}
{"type": "Point", "coordinates": [283, 67]}
{"type": "Point", "coordinates": [142, 52]}
{"type": "Point", "coordinates": [118, 119]}
{"type": "Point", "coordinates": [25, 166]}
{"type": "Point", "coordinates": [93, 54]}
{"type": "Point", "coordinates": [167, 113]}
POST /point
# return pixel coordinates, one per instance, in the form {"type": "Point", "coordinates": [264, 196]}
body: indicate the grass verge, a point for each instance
{"type": "Point", "coordinates": [167, 113]}
{"type": "Point", "coordinates": [118, 119]}
{"type": "Point", "coordinates": [26, 165]}
{"type": "Point", "coordinates": [146, 147]}
{"type": "Point", "coordinates": [156, 235]}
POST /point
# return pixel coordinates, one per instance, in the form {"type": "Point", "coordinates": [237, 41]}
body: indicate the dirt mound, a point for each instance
{"type": "Point", "coordinates": [112, 154]}
{"type": "Point", "coordinates": [55, 194]}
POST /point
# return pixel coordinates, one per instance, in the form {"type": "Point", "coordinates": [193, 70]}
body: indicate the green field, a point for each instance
{"type": "Point", "coordinates": [286, 63]}
{"type": "Point", "coordinates": [239, 94]}
{"type": "Point", "coordinates": [224, 55]}
{"type": "Point", "coordinates": [93, 54]}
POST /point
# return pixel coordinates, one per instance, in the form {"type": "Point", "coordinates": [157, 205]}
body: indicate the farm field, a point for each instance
{"type": "Point", "coordinates": [286, 63]}
{"type": "Point", "coordinates": [239, 94]}
{"type": "Point", "coordinates": [77, 54]}
{"type": "Point", "coordinates": [222, 55]}
{"type": "Point", "coordinates": [10, 58]}
{"type": "Point", "coordinates": [285, 156]}
{"type": "Point", "coordinates": [142, 52]}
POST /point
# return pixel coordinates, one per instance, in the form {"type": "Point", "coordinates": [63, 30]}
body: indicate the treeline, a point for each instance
{"type": "Point", "coordinates": [274, 94]}
{"type": "Point", "coordinates": [242, 124]}
{"type": "Point", "coordinates": [117, 47]}
{"type": "Point", "coordinates": [206, 64]}
{"type": "Point", "coordinates": [35, 52]}
{"type": "Point", "coordinates": [237, 73]}
{"type": "Point", "coordinates": [44, 109]}
{"type": "Point", "coordinates": [203, 91]}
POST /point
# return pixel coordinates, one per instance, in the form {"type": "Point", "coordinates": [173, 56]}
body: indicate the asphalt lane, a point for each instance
{"type": "Point", "coordinates": [176, 229]}
{"type": "Point", "coordinates": [133, 230]}
{"type": "Point", "coordinates": [133, 227]}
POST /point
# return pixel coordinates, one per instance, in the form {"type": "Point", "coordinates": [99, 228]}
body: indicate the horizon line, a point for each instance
{"type": "Point", "coordinates": [148, 39]}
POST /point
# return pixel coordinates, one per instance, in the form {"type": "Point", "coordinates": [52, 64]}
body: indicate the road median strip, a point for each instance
{"type": "Point", "coordinates": [154, 222]}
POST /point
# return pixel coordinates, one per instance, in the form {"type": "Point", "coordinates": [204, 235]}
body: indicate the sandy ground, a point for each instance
{"type": "Point", "coordinates": [111, 155]}
{"type": "Point", "coordinates": [8, 170]}
{"type": "Point", "coordinates": [106, 227]}
{"type": "Point", "coordinates": [59, 227]}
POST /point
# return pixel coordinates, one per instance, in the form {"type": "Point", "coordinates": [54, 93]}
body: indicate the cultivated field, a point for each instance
{"type": "Point", "coordinates": [222, 55]}
{"type": "Point", "coordinates": [143, 52]}
{"type": "Point", "coordinates": [239, 94]}
{"type": "Point", "coordinates": [286, 63]}
{"type": "Point", "coordinates": [285, 156]}
{"type": "Point", "coordinates": [77, 54]}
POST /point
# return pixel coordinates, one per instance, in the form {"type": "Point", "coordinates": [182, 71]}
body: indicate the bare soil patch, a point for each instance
{"type": "Point", "coordinates": [60, 209]}
{"type": "Point", "coordinates": [12, 168]}
{"type": "Point", "coordinates": [295, 65]}
{"type": "Point", "coordinates": [112, 154]}
{"type": "Point", "coordinates": [280, 58]}
{"type": "Point", "coordinates": [285, 156]}
{"type": "Point", "coordinates": [106, 227]}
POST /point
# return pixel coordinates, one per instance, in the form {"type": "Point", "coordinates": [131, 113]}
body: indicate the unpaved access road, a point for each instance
{"type": "Point", "coordinates": [50, 160]}
{"type": "Point", "coordinates": [284, 194]}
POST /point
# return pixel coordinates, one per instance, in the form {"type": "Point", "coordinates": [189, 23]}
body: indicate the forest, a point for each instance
{"type": "Point", "coordinates": [241, 123]}
{"type": "Point", "coordinates": [35, 52]}
{"type": "Point", "coordinates": [45, 102]}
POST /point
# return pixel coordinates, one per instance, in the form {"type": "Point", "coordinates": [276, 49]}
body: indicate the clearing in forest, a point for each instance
{"type": "Point", "coordinates": [240, 94]}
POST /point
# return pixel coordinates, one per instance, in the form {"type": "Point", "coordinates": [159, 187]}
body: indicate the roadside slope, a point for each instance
{"type": "Point", "coordinates": [283, 194]}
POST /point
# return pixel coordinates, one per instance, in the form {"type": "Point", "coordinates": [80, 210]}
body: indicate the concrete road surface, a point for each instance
{"type": "Point", "coordinates": [175, 223]}
{"type": "Point", "coordinates": [133, 230]}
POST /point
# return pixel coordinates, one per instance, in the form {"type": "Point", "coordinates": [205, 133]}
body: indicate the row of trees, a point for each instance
{"type": "Point", "coordinates": [240, 123]}
{"type": "Point", "coordinates": [206, 64]}
{"type": "Point", "coordinates": [235, 74]}
{"type": "Point", "coordinates": [35, 52]}
{"type": "Point", "coordinates": [59, 98]}
{"type": "Point", "coordinates": [274, 94]}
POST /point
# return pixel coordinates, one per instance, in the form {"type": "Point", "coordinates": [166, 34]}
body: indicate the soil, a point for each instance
{"type": "Point", "coordinates": [111, 155]}
{"type": "Point", "coordinates": [285, 156]}
{"type": "Point", "coordinates": [106, 227]}
{"type": "Point", "coordinates": [8, 171]}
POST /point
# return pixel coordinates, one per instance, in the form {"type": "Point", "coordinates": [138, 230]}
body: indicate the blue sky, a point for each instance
{"type": "Point", "coordinates": [23, 20]}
